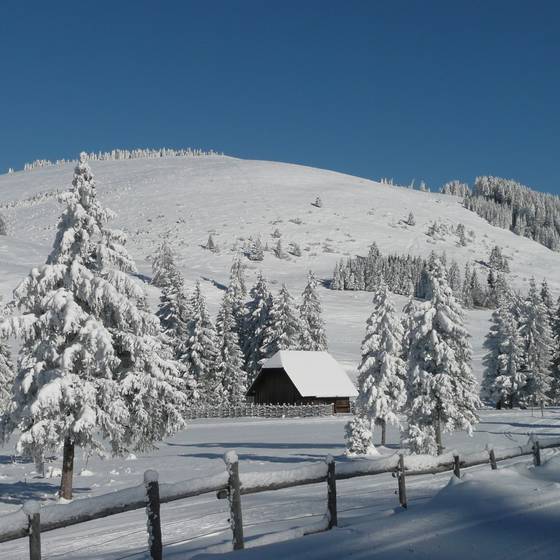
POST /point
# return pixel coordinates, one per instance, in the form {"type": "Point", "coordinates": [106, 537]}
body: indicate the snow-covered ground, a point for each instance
{"type": "Point", "coordinates": [188, 198]}
{"type": "Point", "coordinates": [367, 505]}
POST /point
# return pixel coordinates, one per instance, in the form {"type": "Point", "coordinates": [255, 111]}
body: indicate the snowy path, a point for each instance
{"type": "Point", "coordinates": [191, 526]}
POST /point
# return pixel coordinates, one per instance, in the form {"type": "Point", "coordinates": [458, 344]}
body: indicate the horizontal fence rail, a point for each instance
{"type": "Point", "coordinates": [260, 411]}
{"type": "Point", "coordinates": [31, 520]}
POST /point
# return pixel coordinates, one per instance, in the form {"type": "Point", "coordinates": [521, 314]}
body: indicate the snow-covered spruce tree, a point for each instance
{"type": "Point", "coordinates": [257, 321]}
{"type": "Point", "coordinates": [359, 437]}
{"type": "Point", "coordinates": [198, 351]}
{"type": "Point", "coordinates": [237, 292]}
{"type": "Point", "coordinates": [6, 379]}
{"type": "Point", "coordinates": [285, 329]}
{"type": "Point", "coordinates": [537, 347]}
{"type": "Point", "coordinates": [229, 366]}
{"type": "Point", "coordinates": [255, 251]}
{"type": "Point", "coordinates": [313, 335]}
{"type": "Point", "coordinates": [163, 265]}
{"type": "Point", "coordinates": [503, 379]}
{"type": "Point", "coordinates": [382, 372]}
{"type": "Point", "coordinates": [454, 279]}
{"type": "Point", "coordinates": [92, 365]}
{"type": "Point", "coordinates": [554, 392]}
{"type": "Point", "coordinates": [441, 387]}
{"type": "Point", "coordinates": [173, 309]}
{"type": "Point", "coordinates": [211, 245]}
{"type": "Point", "coordinates": [497, 261]}
{"type": "Point", "coordinates": [411, 220]}
{"type": "Point", "coordinates": [546, 298]}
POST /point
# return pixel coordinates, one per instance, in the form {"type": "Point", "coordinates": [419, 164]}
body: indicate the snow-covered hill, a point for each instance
{"type": "Point", "coordinates": [187, 198]}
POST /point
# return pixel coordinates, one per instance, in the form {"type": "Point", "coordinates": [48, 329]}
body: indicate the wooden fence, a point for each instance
{"type": "Point", "coordinates": [32, 520]}
{"type": "Point", "coordinates": [260, 411]}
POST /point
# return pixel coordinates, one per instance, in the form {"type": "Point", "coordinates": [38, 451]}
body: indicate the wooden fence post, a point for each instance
{"type": "Point", "coordinates": [331, 493]}
{"type": "Point", "coordinates": [537, 453]}
{"type": "Point", "coordinates": [493, 463]}
{"type": "Point", "coordinates": [234, 495]}
{"type": "Point", "coordinates": [456, 466]}
{"type": "Point", "coordinates": [153, 511]}
{"type": "Point", "coordinates": [31, 509]}
{"type": "Point", "coordinates": [401, 482]}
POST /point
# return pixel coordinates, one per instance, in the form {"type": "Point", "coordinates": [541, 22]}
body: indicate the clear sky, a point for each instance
{"type": "Point", "coordinates": [405, 89]}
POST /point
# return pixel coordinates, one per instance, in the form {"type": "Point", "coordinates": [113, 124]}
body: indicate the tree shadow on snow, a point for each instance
{"type": "Point", "coordinates": [259, 445]}
{"type": "Point", "coordinates": [302, 458]}
{"type": "Point", "coordinates": [525, 425]}
{"type": "Point", "coordinates": [18, 492]}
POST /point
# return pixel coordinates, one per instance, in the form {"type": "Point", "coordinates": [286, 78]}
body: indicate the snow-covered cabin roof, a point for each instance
{"type": "Point", "coordinates": [314, 374]}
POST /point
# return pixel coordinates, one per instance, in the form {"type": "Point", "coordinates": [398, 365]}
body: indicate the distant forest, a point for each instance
{"type": "Point", "coordinates": [507, 204]}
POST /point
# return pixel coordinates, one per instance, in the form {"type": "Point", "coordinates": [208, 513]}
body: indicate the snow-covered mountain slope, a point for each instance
{"type": "Point", "coordinates": [188, 198]}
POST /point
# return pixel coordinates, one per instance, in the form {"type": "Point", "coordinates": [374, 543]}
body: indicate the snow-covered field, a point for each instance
{"type": "Point", "coordinates": [187, 198]}
{"type": "Point", "coordinates": [367, 505]}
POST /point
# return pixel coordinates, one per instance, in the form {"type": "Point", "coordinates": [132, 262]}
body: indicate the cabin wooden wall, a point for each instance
{"type": "Point", "coordinates": [275, 387]}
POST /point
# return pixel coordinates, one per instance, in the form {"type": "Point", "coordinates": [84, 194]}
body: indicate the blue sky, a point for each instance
{"type": "Point", "coordinates": [406, 89]}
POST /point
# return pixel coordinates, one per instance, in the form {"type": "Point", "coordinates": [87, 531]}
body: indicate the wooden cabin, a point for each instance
{"type": "Point", "coordinates": [302, 377]}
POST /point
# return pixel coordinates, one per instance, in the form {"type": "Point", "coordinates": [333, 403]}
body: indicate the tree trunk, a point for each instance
{"type": "Point", "coordinates": [438, 433]}
{"type": "Point", "coordinates": [383, 432]}
{"type": "Point", "coordinates": [67, 469]}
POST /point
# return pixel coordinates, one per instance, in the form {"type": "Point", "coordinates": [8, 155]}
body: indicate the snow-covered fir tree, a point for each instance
{"type": "Point", "coordinates": [229, 366]}
{"type": "Point", "coordinates": [411, 220]}
{"type": "Point", "coordinates": [199, 350]}
{"type": "Point", "coordinates": [537, 347]}
{"type": "Point", "coordinates": [285, 329]}
{"type": "Point", "coordinates": [454, 279]}
{"type": "Point", "coordinates": [173, 309]}
{"type": "Point", "coordinates": [554, 392]}
{"type": "Point", "coordinates": [254, 250]}
{"type": "Point", "coordinates": [7, 375]}
{"type": "Point", "coordinates": [467, 296]}
{"type": "Point", "coordinates": [237, 293]}
{"type": "Point", "coordinates": [163, 265]}
{"type": "Point", "coordinates": [382, 372]}
{"type": "Point", "coordinates": [313, 336]}
{"type": "Point", "coordinates": [279, 250]}
{"type": "Point", "coordinates": [211, 244]}
{"type": "Point", "coordinates": [504, 377]}
{"type": "Point", "coordinates": [92, 365]}
{"type": "Point", "coordinates": [359, 437]}
{"type": "Point", "coordinates": [497, 261]}
{"type": "Point", "coordinates": [547, 300]}
{"type": "Point", "coordinates": [441, 387]}
{"type": "Point", "coordinates": [257, 321]}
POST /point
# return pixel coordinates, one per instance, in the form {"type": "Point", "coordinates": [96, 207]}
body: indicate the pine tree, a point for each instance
{"type": "Point", "coordinates": [163, 265]}
{"type": "Point", "coordinates": [478, 294]}
{"type": "Point", "coordinates": [382, 372]}
{"type": "Point", "coordinates": [285, 330]}
{"type": "Point", "coordinates": [411, 220]}
{"type": "Point", "coordinates": [6, 378]}
{"type": "Point", "coordinates": [91, 365]}
{"type": "Point", "coordinates": [455, 282]}
{"type": "Point", "coordinates": [441, 386]}
{"type": "Point", "coordinates": [546, 298]}
{"type": "Point", "coordinates": [313, 335]}
{"type": "Point", "coordinates": [497, 261]}
{"type": "Point", "coordinates": [237, 292]}
{"type": "Point", "coordinates": [537, 343]}
{"type": "Point", "coordinates": [504, 378]}
{"type": "Point", "coordinates": [173, 309]}
{"type": "Point", "coordinates": [554, 393]}
{"type": "Point", "coordinates": [359, 437]}
{"type": "Point", "coordinates": [257, 321]}
{"type": "Point", "coordinates": [230, 371]}
{"type": "Point", "coordinates": [198, 351]}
